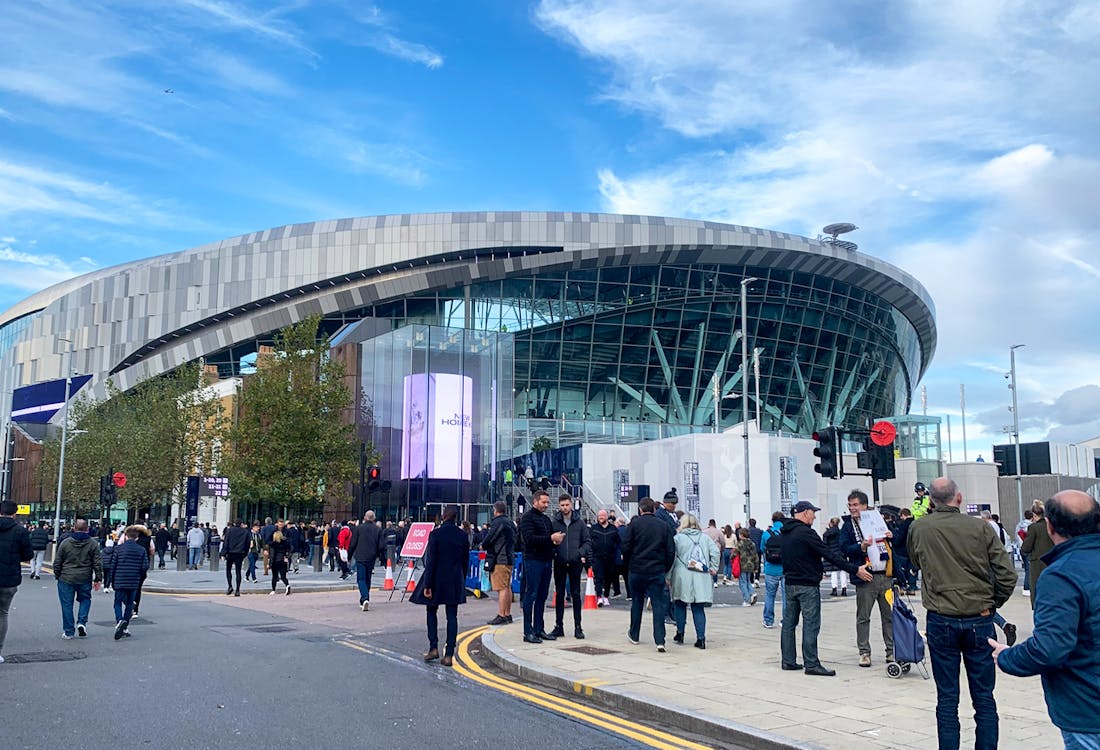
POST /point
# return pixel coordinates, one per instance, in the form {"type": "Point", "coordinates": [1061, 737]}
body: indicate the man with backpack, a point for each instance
{"type": "Point", "coordinates": [772, 556]}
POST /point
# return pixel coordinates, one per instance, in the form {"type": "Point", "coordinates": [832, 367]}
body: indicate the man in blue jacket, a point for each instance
{"type": "Point", "coordinates": [773, 569]}
{"type": "Point", "coordinates": [1064, 647]}
{"type": "Point", "coordinates": [130, 563]}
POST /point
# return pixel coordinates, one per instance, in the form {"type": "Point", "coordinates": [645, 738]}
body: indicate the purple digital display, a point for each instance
{"type": "Point", "coordinates": [437, 439]}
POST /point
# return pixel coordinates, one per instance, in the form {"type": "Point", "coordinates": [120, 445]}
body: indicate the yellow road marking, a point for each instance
{"type": "Point", "coordinates": [656, 738]}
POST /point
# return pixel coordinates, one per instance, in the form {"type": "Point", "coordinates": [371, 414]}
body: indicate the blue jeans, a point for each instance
{"type": "Point", "coordinates": [802, 601]}
{"type": "Point", "coordinates": [772, 585]}
{"type": "Point", "coordinates": [948, 639]}
{"type": "Point", "coordinates": [452, 627]}
{"type": "Point", "coordinates": [363, 574]}
{"type": "Point", "coordinates": [745, 581]}
{"type": "Point", "coordinates": [1081, 740]}
{"type": "Point", "coordinates": [252, 558]}
{"type": "Point", "coordinates": [194, 556]}
{"type": "Point", "coordinates": [727, 563]}
{"type": "Point", "coordinates": [698, 617]}
{"type": "Point", "coordinates": [1027, 571]}
{"type": "Point", "coordinates": [536, 587]}
{"type": "Point", "coordinates": [83, 593]}
{"type": "Point", "coordinates": [124, 604]}
{"type": "Point", "coordinates": [653, 588]}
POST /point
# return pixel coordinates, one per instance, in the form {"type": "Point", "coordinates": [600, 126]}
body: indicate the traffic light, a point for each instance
{"type": "Point", "coordinates": [374, 476]}
{"type": "Point", "coordinates": [882, 462]}
{"type": "Point", "coordinates": [826, 452]}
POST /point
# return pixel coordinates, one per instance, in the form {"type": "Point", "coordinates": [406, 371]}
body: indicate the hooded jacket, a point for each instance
{"type": "Point", "coordinates": [129, 564]}
{"type": "Point", "coordinates": [576, 544]}
{"type": "Point", "coordinates": [15, 548]}
{"type": "Point", "coordinates": [78, 559]}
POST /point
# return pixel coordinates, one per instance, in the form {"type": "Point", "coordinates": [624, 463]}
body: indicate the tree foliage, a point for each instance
{"type": "Point", "coordinates": [289, 444]}
{"type": "Point", "coordinates": [156, 433]}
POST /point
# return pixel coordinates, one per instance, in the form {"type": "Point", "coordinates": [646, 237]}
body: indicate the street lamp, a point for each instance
{"type": "Point", "coordinates": [64, 437]}
{"type": "Point", "coordinates": [744, 385]}
{"type": "Point", "coordinates": [4, 477]}
{"type": "Point", "coordinates": [1016, 431]}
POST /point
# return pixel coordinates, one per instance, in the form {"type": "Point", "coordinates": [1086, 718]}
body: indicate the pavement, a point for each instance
{"type": "Point", "coordinates": [736, 689]}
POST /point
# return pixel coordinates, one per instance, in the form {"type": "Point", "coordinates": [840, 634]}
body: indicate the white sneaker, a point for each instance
{"type": "Point", "coordinates": [745, 604]}
{"type": "Point", "coordinates": [661, 648]}
{"type": "Point", "coordinates": [288, 592]}
{"type": "Point", "coordinates": [365, 606]}
{"type": "Point", "coordinates": [66, 637]}
{"type": "Point", "coordinates": [715, 584]}
{"type": "Point", "coordinates": [1026, 592]}
{"type": "Point", "coordinates": [81, 631]}
{"type": "Point", "coordinates": [767, 625]}
{"type": "Point", "coordinates": [1, 659]}
{"type": "Point", "coordinates": [753, 600]}
{"type": "Point", "coordinates": [271, 593]}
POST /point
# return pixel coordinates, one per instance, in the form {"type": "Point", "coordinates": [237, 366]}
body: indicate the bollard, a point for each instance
{"type": "Point", "coordinates": [318, 554]}
{"type": "Point", "coordinates": [215, 561]}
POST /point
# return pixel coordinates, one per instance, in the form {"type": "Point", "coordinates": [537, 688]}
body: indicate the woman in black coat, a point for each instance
{"type": "Point", "coordinates": [831, 537]}
{"type": "Point", "coordinates": [279, 553]}
{"type": "Point", "coordinates": [444, 582]}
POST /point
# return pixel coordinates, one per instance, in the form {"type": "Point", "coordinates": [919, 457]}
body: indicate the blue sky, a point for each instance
{"type": "Point", "coordinates": [961, 138]}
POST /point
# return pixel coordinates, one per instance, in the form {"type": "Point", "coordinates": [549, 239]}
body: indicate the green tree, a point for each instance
{"type": "Point", "coordinates": [156, 433]}
{"type": "Point", "coordinates": [289, 444]}
{"type": "Point", "coordinates": [541, 443]}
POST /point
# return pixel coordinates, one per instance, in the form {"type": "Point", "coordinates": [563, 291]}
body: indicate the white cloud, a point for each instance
{"type": "Point", "coordinates": [33, 271]}
{"type": "Point", "coordinates": [411, 51]}
{"type": "Point", "coordinates": [352, 153]}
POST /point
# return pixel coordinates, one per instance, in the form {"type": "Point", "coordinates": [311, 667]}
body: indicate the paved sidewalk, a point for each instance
{"type": "Point", "coordinates": [736, 685]}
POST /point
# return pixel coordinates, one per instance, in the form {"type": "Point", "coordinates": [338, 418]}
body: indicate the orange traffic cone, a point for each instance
{"type": "Point", "coordinates": [388, 585]}
{"type": "Point", "coordinates": [411, 585]}
{"type": "Point", "coordinates": [590, 592]}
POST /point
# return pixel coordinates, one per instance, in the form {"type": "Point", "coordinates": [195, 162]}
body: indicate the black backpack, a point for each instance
{"type": "Point", "coordinates": [773, 549]}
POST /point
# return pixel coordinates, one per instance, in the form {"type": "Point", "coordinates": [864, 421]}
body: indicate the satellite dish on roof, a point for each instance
{"type": "Point", "coordinates": [840, 227]}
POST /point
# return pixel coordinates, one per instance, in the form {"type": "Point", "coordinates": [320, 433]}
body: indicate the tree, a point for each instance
{"type": "Point", "coordinates": [541, 443]}
{"type": "Point", "coordinates": [289, 444]}
{"type": "Point", "coordinates": [156, 433]}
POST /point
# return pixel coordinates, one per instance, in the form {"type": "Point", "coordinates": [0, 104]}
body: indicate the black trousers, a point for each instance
{"type": "Point", "coordinates": [606, 573]}
{"type": "Point", "coordinates": [233, 562]}
{"type": "Point", "coordinates": [452, 627]}
{"type": "Point", "coordinates": [570, 572]}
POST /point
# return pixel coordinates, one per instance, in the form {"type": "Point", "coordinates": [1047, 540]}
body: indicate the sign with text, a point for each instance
{"type": "Point", "coordinates": [417, 540]}
{"type": "Point", "coordinates": [23, 510]}
{"type": "Point", "coordinates": [691, 486]}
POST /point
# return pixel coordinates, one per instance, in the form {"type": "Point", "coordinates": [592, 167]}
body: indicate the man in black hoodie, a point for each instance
{"type": "Point", "coordinates": [649, 550]}
{"type": "Point", "coordinates": [802, 552]}
{"type": "Point", "coordinates": [235, 547]}
{"type": "Point", "coordinates": [570, 559]}
{"type": "Point", "coordinates": [15, 548]}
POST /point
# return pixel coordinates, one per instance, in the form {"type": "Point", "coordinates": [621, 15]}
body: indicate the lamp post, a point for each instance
{"type": "Point", "coordinates": [4, 477]}
{"type": "Point", "coordinates": [744, 385]}
{"type": "Point", "coordinates": [64, 437]}
{"type": "Point", "coordinates": [1016, 431]}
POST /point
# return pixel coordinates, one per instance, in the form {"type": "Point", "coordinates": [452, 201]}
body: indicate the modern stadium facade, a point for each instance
{"type": "Point", "coordinates": [632, 322]}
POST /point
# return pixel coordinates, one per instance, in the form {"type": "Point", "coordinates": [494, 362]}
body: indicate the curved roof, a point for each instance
{"type": "Point", "coordinates": [141, 318]}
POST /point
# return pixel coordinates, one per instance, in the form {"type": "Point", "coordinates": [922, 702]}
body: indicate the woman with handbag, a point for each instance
{"type": "Point", "coordinates": [689, 581]}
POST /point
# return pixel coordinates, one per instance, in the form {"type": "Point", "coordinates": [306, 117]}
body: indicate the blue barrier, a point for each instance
{"type": "Point", "coordinates": [477, 578]}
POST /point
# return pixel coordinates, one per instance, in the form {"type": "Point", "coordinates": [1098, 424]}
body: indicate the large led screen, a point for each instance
{"type": "Point", "coordinates": [437, 440]}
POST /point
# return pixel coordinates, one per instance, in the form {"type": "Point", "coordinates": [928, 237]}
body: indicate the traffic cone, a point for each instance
{"type": "Point", "coordinates": [388, 585]}
{"type": "Point", "coordinates": [590, 593]}
{"type": "Point", "coordinates": [411, 585]}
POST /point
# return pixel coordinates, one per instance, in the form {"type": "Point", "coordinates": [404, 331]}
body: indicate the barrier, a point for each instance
{"type": "Point", "coordinates": [388, 584]}
{"type": "Point", "coordinates": [590, 593]}
{"type": "Point", "coordinates": [410, 586]}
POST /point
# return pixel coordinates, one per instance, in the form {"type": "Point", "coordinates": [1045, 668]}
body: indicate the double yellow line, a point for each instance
{"type": "Point", "coordinates": [599, 717]}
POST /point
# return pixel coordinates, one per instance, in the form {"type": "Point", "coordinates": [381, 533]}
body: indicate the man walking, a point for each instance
{"type": "Point", "coordinates": [878, 556]}
{"type": "Point", "coordinates": [443, 583]}
{"type": "Point", "coordinates": [332, 544]}
{"type": "Point", "coordinates": [1063, 645]}
{"type": "Point", "coordinates": [802, 551]}
{"type": "Point", "coordinates": [365, 547]}
{"type": "Point", "coordinates": [235, 547]}
{"type": "Point", "coordinates": [539, 539]}
{"type": "Point", "coordinates": [649, 550]}
{"type": "Point", "coordinates": [500, 554]}
{"type": "Point", "coordinates": [40, 540]}
{"type": "Point", "coordinates": [196, 538]}
{"type": "Point", "coordinates": [570, 558]}
{"type": "Point", "coordinates": [967, 575]}
{"type": "Point", "coordinates": [78, 567]}
{"type": "Point", "coordinates": [160, 544]}
{"type": "Point", "coordinates": [128, 568]}
{"type": "Point", "coordinates": [267, 534]}
{"type": "Point", "coordinates": [15, 548]}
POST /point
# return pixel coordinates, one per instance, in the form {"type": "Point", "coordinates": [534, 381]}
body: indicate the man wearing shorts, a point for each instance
{"type": "Point", "coordinates": [500, 551]}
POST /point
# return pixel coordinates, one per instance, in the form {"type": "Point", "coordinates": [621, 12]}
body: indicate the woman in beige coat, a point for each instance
{"type": "Point", "coordinates": [689, 580]}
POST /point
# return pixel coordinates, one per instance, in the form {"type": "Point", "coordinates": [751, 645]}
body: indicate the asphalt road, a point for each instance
{"type": "Point", "coordinates": [304, 670]}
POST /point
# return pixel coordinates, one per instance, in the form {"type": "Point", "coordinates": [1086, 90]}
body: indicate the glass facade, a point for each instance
{"type": "Point", "coordinates": [441, 402]}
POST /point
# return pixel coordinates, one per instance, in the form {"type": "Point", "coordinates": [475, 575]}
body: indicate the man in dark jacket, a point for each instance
{"type": "Point", "coordinates": [78, 567]}
{"type": "Point", "coordinates": [570, 559]}
{"type": "Point", "coordinates": [366, 547]}
{"type": "Point", "coordinates": [903, 567]}
{"type": "Point", "coordinates": [878, 555]}
{"type": "Point", "coordinates": [500, 554]}
{"type": "Point", "coordinates": [802, 552]}
{"type": "Point", "coordinates": [443, 583]}
{"type": "Point", "coordinates": [967, 575]}
{"type": "Point", "coordinates": [649, 550]}
{"type": "Point", "coordinates": [160, 543]}
{"type": "Point", "coordinates": [40, 540]}
{"type": "Point", "coordinates": [15, 548]}
{"type": "Point", "coordinates": [605, 556]}
{"type": "Point", "coordinates": [294, 536]}
{"type": "Point", "coordinates": [234, 550]}
{"type": "Point", "coordinates": [536, 531]}
{"type": "Point", "coordinates": [1063, 644]}
{"type": "Point", "coordinates": [128, 568]}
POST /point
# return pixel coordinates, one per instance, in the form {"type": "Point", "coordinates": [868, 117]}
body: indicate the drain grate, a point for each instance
{"type": "Point", "coordinates": [41, 656]}
{"type": "Point", "coordinates": [591, 650]}
{"type": "Point", "coordinates": [271, 628]}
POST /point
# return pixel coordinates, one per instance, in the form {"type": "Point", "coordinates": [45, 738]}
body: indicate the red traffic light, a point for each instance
{"type": "Point", "coordinates": [119, 479]}
{"type": "Point", "coordinates": [374, 473]}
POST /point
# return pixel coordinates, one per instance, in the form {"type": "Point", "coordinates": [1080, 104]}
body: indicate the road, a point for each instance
{"type": "Point", "coordinates": [208, 671]}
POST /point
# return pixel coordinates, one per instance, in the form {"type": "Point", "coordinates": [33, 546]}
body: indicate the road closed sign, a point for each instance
{"type": "Point", "coordinates": [417, 540]}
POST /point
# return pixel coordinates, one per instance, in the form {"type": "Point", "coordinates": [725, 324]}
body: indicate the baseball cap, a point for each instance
{"type": "Point", "coordinates": [803, 505]}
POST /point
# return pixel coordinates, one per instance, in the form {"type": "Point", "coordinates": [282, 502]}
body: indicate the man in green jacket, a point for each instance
{"type": "Point", "coordinates": [78, 565]}
{"type": "Point", "coordinates": [967, 575]}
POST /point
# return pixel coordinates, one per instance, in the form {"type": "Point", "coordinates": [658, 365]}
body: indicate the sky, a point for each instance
{"type": "Point", "coordinates": [961, 138]}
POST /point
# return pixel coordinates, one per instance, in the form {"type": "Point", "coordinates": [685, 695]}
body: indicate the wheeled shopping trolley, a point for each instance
{"type": "Point", "coordinates": [908, 643]}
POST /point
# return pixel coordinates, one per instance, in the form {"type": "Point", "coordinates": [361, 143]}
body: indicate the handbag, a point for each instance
{"type": "Point", "coordinates": [736, 566]}
{"type": "Point", "coordinates": [343, 554]}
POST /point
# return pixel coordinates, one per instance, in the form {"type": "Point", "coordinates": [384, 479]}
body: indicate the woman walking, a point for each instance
{"type": "Point", "coordinates": [729, 551]}
{"type": "Point", "coordinates": [831, 537]}
{"type": "Point", "coordinates": [689, 581]}
{"type": "Point", "coordinates": [280, 558]}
